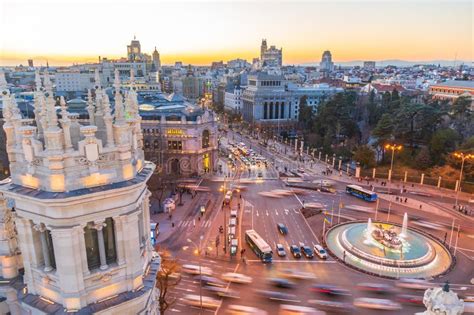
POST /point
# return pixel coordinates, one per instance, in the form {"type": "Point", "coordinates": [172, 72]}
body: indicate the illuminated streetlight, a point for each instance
{"type": "Point", "coordinates": [463, 157]}
{"type": "Point", "coordinates": [394, 148]}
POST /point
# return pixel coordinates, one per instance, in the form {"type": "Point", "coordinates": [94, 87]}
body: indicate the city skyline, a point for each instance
{"type": "Point", "coordinates": [228, 30]}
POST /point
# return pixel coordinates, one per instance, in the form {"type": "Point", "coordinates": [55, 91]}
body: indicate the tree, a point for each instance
{"type": "Point", "coordinates": [423, 159]}
{"type": "Point", "coordinates": [166, 279]}
{"type": "Point", "coordinates": [365, 156]}
{"type": "Point", "coordinates": [305, 115]}
{"type": "Point", "coordinates": [442, 142]}
{"type": "Point", "coordinates": [463, 118]}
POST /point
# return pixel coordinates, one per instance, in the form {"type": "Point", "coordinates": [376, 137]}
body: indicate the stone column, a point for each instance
{"type": "Point", "coordinates": [119, 239]}
{"type": "Point", "coordinates": [44, 246]}
{"type": "Point", "coordinates": [99, 226]}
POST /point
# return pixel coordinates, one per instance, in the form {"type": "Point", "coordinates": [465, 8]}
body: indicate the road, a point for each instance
{"type": "Point", "coordinates": [260, 212]}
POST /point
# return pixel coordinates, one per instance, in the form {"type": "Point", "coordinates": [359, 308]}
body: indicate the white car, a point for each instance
{"type": "Point", "coordinates": [195, 300]}
{"type": "Point", "coordinates": [297, 275]}
{"type": "Point", "coordinates": [414, 284]}
{"type": "Point", "coordinates": [320, 251]}
{"type": "Point", "coordinates": [236, 278]}
{"type": "Point", "coordinates": [194, 270]}
{"type": "Point", "coordinates": [244, 310]}
{"type": "Point", "coordinates": [287, 309]}
{"type": "Point", "coordinates": [280, 250]}
{"type": "Point", "coordinates": [377, 304]}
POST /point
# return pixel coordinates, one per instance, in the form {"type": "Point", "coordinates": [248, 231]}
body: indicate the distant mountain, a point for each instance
{"type": "Point", "coordinates": [396, 62]}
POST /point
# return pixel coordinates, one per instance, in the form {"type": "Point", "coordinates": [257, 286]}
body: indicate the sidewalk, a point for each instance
{"type": "Point", "coordinates": [165, 224]}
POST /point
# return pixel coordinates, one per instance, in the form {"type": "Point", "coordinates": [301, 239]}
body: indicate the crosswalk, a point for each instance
{"type": "Point", "coordinates": [194, 222]}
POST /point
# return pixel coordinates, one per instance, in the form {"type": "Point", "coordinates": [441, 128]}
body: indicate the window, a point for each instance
{"type": "Point", "coordinates": [205, 139]}
{"type": "Point", "coordinates": [92, 247]}
{"type": "Point", "coordinates": [109, 241]}
{"type": "Point", "coordinates": [49, 242]}
{"type": "Point", "coordinates": [175, 145]}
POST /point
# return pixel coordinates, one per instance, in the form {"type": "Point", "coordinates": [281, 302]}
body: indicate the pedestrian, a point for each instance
{"type": "Point", "coordinates": [406, 200]}
{"type": "Point", "coordinates": [396, 198]}
{"type": "Point", "coordinates": [344, 257]}
{"type": "Point", "coordinates": [199, 218]}
{"type": "Point", "coordinates": [172, 224]}
{"type": "Point", "coordinates": [421, 206]}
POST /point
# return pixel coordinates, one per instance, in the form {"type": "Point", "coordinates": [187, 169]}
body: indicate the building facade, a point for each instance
{"type": "Point", "coordinates": [270, 56]}
{"type": "Point", "coordinates": [79, 203]}
{"type": "Point", "coordinates": [233, 99]}
{"type": "Point", "coordinates": [326, 65]}
{"type": "Point", "coordinates": [452, 90]}
{"type": "Point", "coordinates": [181, 139]}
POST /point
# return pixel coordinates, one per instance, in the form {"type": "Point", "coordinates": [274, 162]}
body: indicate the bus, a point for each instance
{"type": "Point", "coordinates": [361, 193]}
{"type": "Point", "coordinates": [259, 246]}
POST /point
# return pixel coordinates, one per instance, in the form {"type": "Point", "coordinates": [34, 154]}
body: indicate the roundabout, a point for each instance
{"type": "Point", "coordinates": [388, 249]}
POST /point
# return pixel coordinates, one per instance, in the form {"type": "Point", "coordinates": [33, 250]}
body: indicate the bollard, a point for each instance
{"type": "Point", "coordinates": [422, 179]}
{"type": "Point", "coordinates": [373, 173]}
{"type": "Point", "coordinates": [456, 187]}
{"type": "Point", "coordinates": [340, 164]}
{"type": "Point", "coordinates": [439, 182]}
{"type": "Point", "coordinates": [406, 176]}
{"type": "Point", "coordinates": [389, 175]}
{"type": "Point", "coordinates": [319, 155]}
{"type": "Point", "coordinates": [347, 169]}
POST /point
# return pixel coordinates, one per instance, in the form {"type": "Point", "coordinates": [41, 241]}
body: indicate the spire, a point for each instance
{"type": "Point", "coordinates": [38, 80]}
{"type": "Point", "coordinates": [106, 104]}
{"type": "Point", "coordinates": [51, 116]}
{"type": "Point", "coordinates": [48, 86]}
{"type": "Point", "coordinates": [64, 112]}
{"type": "Point", "coordinates": [90, 107]}
{"type": "Point", "coordinates": [118, 98]}
{"type": "Point", "coordinates": [3, 82]}
{"type": "Point", "coordinates": [117, 80]}
{"type": "Point", "coordinates": [97, 79]}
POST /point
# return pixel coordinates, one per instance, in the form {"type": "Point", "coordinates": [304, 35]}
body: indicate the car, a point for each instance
{"type": "Point", "coordinates": [259, 174]}
{"type": "Point", "coordinates": [377, 304]}
{"type": "Point", "coordinates": [234, 309]}
{"type": "Point", "coordinates": [195, 270]}
{"type": "Point", "coordinates": [380, 288]}
{"type": "Point", "coordinates": [297, 275]}
{"type": "Point", "coordinates": [236, 278]}
{"type": "Point", "coordinates": [306, 250]}
{"type": "Point", "coordinates": [320, 251]}
{"type": "Point", "coordinates": [295, 250]}
{"type": "Point", "coordinates": [410, 299]}
{"type": "Point", "coordinates": [414, 284]}
{"type": "Point", "coordinates": [280, 250]}
{"type": "Point", "coordinates": [333, 306]}
{"type": "Point", "coordinates": [287, 309]}
{"type": "Point", "coordinates": [329, 290]}
{"type": "Point", "coordinates": [195, 300]}
{"type": "Point", "coordinates": [281, 283]}
{"type": "Point", "coordinates": [301, 170]}
{"type": "Point", "coordinates": [210, 281]}
{"type": "Point", "coordinates": [282, 228]}
{"type": "Point", "coordinates": [277, 296]}
{"type": "Point", "coordinates": [223, 292]}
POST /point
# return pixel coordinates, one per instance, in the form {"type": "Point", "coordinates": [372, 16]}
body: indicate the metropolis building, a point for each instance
{"type": "Point", "coordinates": [75, 214]}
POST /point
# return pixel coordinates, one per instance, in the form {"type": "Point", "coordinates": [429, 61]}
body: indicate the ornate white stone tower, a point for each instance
{"type": "Point", "coordinates": [75, 214]}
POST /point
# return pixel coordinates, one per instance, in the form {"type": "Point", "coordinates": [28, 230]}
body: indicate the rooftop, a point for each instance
{"type": "Point", "coordinates": [457, 84]}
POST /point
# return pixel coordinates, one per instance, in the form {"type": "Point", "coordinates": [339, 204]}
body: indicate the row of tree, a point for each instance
{"type": "Point", "coordinates": [358, 126]}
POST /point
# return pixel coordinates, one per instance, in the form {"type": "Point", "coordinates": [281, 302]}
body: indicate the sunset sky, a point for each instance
{"type": "Point", "coordinates": [199, 32]}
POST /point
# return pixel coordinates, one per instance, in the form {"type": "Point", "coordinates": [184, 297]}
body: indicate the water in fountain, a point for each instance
{"type": "Point", "coordinates": [369, 226]}
{"type": "Point", "coordinates": [404, 225]}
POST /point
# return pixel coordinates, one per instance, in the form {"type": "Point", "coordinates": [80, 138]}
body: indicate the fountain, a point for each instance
{"type": "Point", "coordinates": [369, 227]}
{"type": "Point", "coordinates": [388, 249]}
{"type": "Point", "coordinates": [404, 225]}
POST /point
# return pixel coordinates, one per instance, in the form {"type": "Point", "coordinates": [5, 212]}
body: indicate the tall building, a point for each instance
{"type": "Point", "coordinates": [272, 56]}
{"type": "Point", "coordinates": [134, 50]}
{"type": "Point", "coordinates": [30, 63]}
{"type": "Point", "coordinates": [156, 59]}
{"type": "Point", "coordinates": [326, 65]}
{"type": "Point", "coordinates": [75, 214]}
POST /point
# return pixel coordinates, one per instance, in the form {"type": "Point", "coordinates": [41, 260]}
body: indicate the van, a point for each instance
{"type": "Point", "coordinates": [228, 197]}
{"type": "Point", "coordinates": [233, 213]}
{"type": "Point", "coordinates": [232, 222]}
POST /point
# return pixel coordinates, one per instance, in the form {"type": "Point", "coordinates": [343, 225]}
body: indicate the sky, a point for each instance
{"type": "Point", "coordinates": [199, 32]}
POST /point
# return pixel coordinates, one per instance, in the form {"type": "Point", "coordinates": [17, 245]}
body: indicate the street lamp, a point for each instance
{"type": "Point", "coordinates": [198, 250]}
{"type": "Point", "coordinates": [463, 157]}
{"type": "Point", "coordinates": [394, 148]}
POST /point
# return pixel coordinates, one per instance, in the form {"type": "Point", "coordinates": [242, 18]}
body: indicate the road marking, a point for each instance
{"type": "Point", "coordinates": [276, 211]}
{"type": "Point", "coordinates": [295, 211]}
{"type": "Point", "coordinates": [187, 290]}
{"type": "Point", "coordinates": [175, 310]}
{"type": "Point", "coordinates": [257, 213]}
{"type": "Point", "coordinates": [267, 213]}
{"type": "Point", "coordinates": [226, 289]}
{"type": "Point", "coordinates": [306, 221]}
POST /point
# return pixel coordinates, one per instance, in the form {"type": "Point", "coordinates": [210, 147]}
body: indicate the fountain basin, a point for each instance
{"type": "Point", "coordinates": [420, 256]}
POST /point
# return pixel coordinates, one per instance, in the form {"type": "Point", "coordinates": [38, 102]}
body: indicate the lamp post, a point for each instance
{"type": "Point", "coordinates": [394, 148]}
{"type": "Point", "coordinates": [463, 157]}
{"type": "Point", "coordinates": [199, 250]}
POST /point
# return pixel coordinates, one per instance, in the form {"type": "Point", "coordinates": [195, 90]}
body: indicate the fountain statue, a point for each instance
{"type": "Point", "coordinates": [387, 237]}
{"type": "Point", "coordinates": [404, 225]}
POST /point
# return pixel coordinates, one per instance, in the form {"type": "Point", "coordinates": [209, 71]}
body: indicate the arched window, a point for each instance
{"type": "Point", "coordinates": [92, 239]}
{"type": "Point", "coordinates": [205, 139]}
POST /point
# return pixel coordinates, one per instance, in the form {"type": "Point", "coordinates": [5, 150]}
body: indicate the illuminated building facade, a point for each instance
{"type": "Point", "coordinates": [270, 56]}
{"type": "Point", "coordinates": [75, 213]}
{"type": "Point", "coordinates": [181, 139]}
